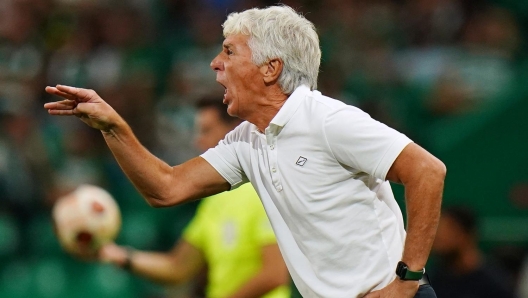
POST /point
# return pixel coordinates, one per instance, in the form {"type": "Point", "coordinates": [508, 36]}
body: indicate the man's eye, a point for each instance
{"type": "Point", "coordinates": [229, 52]}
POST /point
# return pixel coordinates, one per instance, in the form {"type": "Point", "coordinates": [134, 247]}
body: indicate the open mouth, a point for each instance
{"type": "Point", "coordinates": [225, 94]}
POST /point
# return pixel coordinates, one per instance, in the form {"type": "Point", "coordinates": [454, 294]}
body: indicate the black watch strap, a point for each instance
{"type": "Point", "coordinates": [403, 272]}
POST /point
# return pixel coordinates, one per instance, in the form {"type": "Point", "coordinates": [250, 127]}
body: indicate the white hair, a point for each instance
{"type": "Point", "coordinates": [280, 32]}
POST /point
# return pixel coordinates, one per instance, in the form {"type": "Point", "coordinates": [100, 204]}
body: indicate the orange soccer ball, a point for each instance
{"type": "Point", "coordinates": [85, 220]}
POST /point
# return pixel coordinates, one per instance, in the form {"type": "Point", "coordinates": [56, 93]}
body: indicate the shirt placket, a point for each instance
{"type": "Point", "coordinates": [271, 148]}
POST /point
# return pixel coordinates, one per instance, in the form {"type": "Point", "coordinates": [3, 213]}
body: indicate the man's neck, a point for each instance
{"type": "Point", "coordinates": [267, 110]}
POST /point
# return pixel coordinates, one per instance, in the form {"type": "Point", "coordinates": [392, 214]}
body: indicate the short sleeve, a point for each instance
{"type": "Point", "coordinates": [224, 158]}
{"type": "Point", "coordinates": [362, 143]}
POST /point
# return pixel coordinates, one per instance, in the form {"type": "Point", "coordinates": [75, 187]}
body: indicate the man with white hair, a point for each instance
{"type": "Point", "coordinates": [320, 167]}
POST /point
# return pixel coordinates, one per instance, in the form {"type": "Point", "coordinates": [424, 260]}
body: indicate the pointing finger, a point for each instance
{"type": "Point", "coordinates": [55, 91]}
{"type": "Point", "coordinates": [82, 94]}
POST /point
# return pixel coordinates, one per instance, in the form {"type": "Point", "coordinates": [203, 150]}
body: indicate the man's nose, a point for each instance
{"type": "Point", "coordinates": [217, 64]}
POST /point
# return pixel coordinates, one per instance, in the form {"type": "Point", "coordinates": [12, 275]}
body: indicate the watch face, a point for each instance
{"type": "Point", "coordinates": [401, 269]}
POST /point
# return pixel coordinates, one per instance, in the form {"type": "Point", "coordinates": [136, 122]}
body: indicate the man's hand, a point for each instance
{"type": "Point", "coordinates": [396, 289]}
{"type": "Point", "coordinates": [113, 253]}
{"type": "Point", "coordinates": [83, 103]}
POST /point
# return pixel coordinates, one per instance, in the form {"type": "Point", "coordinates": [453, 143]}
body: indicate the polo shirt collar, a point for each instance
{"type": "Point", "coordinates": [287, 110]}
{"type": "Point", "coordinates": [290, 106]}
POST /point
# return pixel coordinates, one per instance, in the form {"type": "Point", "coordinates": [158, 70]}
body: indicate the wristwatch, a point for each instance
{"type": "Point", "coordinates": [403, 272]}
{"type": "Point", "coordinates": [127, 265]}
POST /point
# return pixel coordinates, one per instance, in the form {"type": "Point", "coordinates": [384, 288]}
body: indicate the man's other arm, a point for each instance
{"type": "Point", "coordinates": [272, 275]}
{"type": "Point", "coordinates": [422, 175]}
{"type": "Point", "coordinates": [177, 266]}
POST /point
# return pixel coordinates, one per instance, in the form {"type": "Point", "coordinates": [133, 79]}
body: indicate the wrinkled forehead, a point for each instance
{"type": "Point", "coordinates": [238, 42]}
{"type": "Point", "coordinates": [236, 39]}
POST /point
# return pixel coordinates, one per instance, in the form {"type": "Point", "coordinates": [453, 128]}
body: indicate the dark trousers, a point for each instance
{"type": "Point", "coordinates": [425, 291]}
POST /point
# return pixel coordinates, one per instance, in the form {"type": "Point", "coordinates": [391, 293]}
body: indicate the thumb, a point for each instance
{"type": "Point", "coordinates": [93, 111]}
{"type": "Point", "coordinates": [83, 108]}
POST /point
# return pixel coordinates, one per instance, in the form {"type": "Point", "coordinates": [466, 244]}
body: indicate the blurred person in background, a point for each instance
{"type": "Point", "coordinates": [24, 163]}
{"type": "Point", "coordinates": [463, 271]}
{"type": "Point", "coordinates": [230, 235]}
{"type": "Point", "coordinates": [191, 63]}
{"type": "Point", "coordinates": [522, 284]}
{"type": "Point", "coordinates": [483, 70]}
{"type": "Point", "coordinates": [21, 49]}
{"type": "Point", "coordinates": [189, 79]}
{"type": "Point", "coordinates": [21, 67]}
{"type": "Point", "coordinates": [81, 163]}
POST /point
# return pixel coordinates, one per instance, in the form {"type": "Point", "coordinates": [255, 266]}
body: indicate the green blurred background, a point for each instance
{"type": "Point", "coordinates": [451, 74]}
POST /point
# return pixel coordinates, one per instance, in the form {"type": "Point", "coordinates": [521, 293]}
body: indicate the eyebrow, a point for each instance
{"type": "Point", "coordinates": [227, 45]}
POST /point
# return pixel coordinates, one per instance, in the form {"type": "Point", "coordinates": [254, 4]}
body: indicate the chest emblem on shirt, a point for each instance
{"type": "Point", "coordinates": [301, 161]}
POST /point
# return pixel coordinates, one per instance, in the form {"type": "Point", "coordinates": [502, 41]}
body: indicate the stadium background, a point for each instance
{"type": "Point", "coordinates": [451, 74]}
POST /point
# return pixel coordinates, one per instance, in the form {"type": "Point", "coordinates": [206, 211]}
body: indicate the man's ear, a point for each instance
{"type": "Point", "coordinates": [271, 70]}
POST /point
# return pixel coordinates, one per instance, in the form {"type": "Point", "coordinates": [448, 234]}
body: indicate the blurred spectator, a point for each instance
{"type": "Point", "coordinates": [77, 40]}
{"type": "Point", "coordinates": [465, 78]}
{"type": "Point", "coordinates": [463, 270]}
{"type": "Point", "coordinates": [175, 127]}
{"type": "Point", "coordinates": [523, 280]}
{"type": "Point", "coordinates": [512, 258]}
{"type": "Point", "coordinates": [81, 162]}
{"type": "Point", "coordinates": [483, 71]}
{"type": "Point", "coordinates": [22, 160]}
{"type": "Point", "coordinates": [191, 75]}
{"type": "Point", "coordinates": [190, 78]}
{"type": "Point", "coordinates": [432, 22]}
{"type": "Point", "coordinates": [519, 194]}
{"type": "Point", "coordinates": [21, 52]}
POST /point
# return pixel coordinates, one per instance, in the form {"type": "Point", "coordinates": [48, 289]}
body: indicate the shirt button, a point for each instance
{"type": "Point", "coordinates": [279, 188]}
{"type": "Point", "coordinates": [272, 147]}
{"type": "Point", "coordinates": [273, 170]}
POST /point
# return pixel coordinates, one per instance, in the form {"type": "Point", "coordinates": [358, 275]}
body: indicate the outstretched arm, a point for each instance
{"type": "Point", "coordinates": [160, 184]}
{"type": "Point", "coordinates": [181, 264]}
{"type": "Point", "coordinates": [422, 175]}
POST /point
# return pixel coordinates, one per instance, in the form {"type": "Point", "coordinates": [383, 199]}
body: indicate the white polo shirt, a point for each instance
{"type": "Point", "coordinates": [320, 170]}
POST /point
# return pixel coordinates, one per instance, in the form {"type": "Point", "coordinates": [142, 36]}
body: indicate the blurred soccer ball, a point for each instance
{"type": "Point", "coordinates": [85, 220]}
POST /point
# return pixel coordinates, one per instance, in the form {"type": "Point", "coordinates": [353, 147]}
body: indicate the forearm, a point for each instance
{"type": "Point", "coordinates": [272, 275]}
{"type": "Point", "coordinates": [258, 286]}
{"type": "Point", "coordinates": [150, 175]}
{"type": "Point", "coordinates": [423, 200]}
{"type": "Point", "coordinates": [159, 183]}
{"type": "Point", "coordinates": [157, 267]}
{"type": "Point", "coordinates": [183, 262]}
